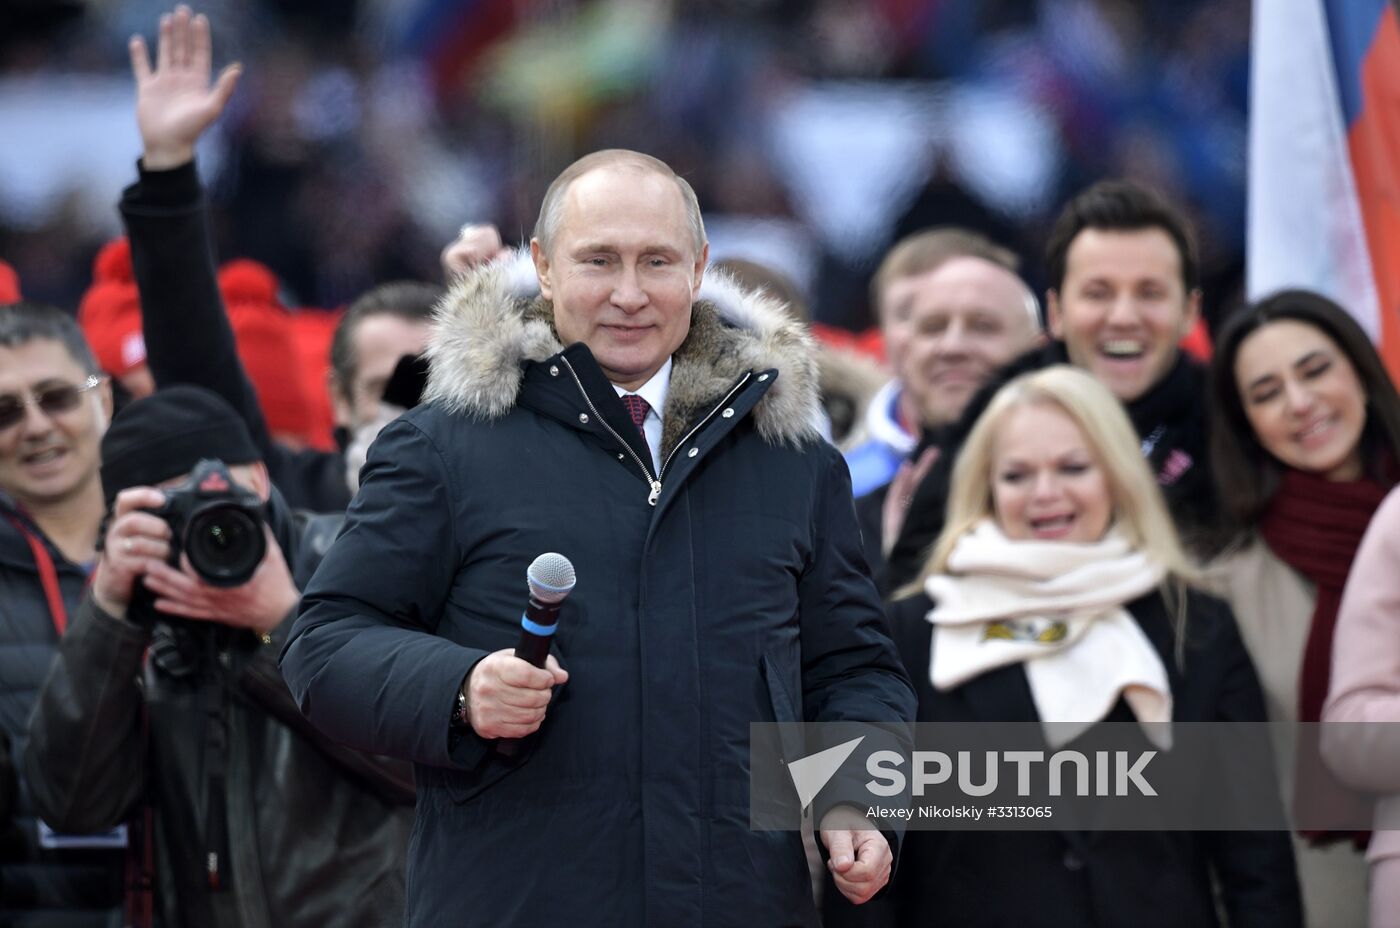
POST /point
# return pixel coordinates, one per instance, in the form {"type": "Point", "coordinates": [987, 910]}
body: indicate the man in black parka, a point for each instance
{"type": "Point", "coordinates": [720, 583]}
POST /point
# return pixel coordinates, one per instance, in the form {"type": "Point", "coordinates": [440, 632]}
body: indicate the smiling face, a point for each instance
{"type": "Point", "coordinates": [968, 317]}
{"type": "Point", "coordinates": [1303, 398]}
{"type": "Point", "coordinates": [1047, 482]}
{"type": "Point", "coordinates": [1123, 307]}
{"type": "Point", "coordinates": [622, 271]}
{"type": "Point", "coordinates": [48, 458]}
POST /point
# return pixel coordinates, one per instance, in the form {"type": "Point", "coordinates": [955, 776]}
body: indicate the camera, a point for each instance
{"type": "Point", "coordinates": [217, 524]}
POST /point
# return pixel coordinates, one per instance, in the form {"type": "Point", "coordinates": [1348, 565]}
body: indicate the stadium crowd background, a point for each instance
{"type": "Point", "coordinates": [364, 135]}
{"type": "Point", "coordinates": [816, 134]}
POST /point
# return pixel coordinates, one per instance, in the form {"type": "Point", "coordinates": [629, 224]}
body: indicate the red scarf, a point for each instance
{"type": "Point", "coordinates": [1315, 525]}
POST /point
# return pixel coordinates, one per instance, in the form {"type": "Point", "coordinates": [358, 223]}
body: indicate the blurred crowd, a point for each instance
{"type": "Point", "coordinates": [815, 134]}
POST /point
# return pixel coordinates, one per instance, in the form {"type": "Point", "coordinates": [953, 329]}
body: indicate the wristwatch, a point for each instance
{"type": "Point", "coordinates": [461, 718]}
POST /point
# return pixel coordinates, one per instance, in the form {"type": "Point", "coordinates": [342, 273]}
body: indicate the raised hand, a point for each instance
{"type": "Point", "coordinates": [176, 102]}
{"type": "Point", "coordinates": [474, 246]}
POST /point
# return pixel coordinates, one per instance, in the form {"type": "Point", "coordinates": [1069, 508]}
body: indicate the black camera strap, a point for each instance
{"type": "Point", "coordinates": [138, 910]}
{"type": "Point", "coordinates": [212, 699]}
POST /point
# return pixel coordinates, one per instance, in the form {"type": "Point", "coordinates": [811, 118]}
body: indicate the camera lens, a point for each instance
{"type": "Point", "coordinates": [225, 545]}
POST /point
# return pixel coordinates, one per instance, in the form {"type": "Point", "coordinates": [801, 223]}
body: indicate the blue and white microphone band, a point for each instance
{"type": "Point", "coordinates": [535, 628]}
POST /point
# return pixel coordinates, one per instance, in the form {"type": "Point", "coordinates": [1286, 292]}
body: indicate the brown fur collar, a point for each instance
{"type": "Point", "coordinates": [492, 320]}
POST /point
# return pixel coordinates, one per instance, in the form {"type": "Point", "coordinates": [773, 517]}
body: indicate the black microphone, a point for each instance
{"type": "Point", "coordinates": [551, 579]}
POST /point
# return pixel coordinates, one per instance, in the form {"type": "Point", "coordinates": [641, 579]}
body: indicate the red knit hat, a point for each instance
{"type": "Point", "coordinates": [9, 285]}
{"type": "Point", "coordinates": [315, 328]}
{"type": "Point", "coordinates": [110, 312]}
{"type": "Point", "coordinates": [266, 345]}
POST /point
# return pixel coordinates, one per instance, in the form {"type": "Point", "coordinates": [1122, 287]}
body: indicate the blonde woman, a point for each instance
{"type": "Point", "coordinates": [1059, 592]}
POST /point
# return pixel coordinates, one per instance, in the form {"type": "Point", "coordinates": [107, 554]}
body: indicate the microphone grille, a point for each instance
{"type": "Point", "coordinates": [551, 577]}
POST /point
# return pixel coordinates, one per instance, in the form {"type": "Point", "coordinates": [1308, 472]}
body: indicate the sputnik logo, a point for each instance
{"type": "Point", "coordinates": [811, 773]}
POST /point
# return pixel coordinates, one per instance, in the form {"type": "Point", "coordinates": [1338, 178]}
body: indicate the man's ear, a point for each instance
{"type": "Point", "coordinates": [342, 410]}
{"type": "Point", "coordinates": [1054, 321]}
{"type": "Point", "coordinates": [698, 277]}
{"type": "Point", "coordinates": [105, 404]}
{"type": "Point", "coordinates": [537, 254]}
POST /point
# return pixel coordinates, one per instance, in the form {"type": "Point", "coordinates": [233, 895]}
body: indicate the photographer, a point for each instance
{"type": "Point", "coordinates": [165, 706]}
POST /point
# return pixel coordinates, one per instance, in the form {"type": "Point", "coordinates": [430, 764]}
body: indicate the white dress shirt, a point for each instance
{"type": "Point", "coordinates": [654, 392]}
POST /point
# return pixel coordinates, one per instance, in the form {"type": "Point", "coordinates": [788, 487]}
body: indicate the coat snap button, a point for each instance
{"type": "Point", "coordinates": [728, 414]}
{"type": "Point", "coordinates": [762, 377]}
{"type": "Point", "coordinates": [583, 417]}
{"type": "Point", "coordinates": [554, 370]}
{"type": "Point", "coordinates": [692, 452]}
{"type": "Point", "coordinates": [1073, 862]}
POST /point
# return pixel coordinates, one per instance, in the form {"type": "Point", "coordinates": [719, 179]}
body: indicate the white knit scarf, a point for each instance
{"type": "Point", "coordinates": [1057, 607]}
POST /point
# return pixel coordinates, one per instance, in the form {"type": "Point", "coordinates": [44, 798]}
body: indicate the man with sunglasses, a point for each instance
{"type": "Point", "coordinates": [54, 407]}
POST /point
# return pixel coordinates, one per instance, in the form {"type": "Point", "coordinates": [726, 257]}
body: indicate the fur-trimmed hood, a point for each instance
{"type": "Point", "coordinates": [492, 320]}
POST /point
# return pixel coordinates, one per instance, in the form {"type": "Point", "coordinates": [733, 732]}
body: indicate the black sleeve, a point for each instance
{"type": "Point", "coordinates": [188, 336]}
{"type": "Point", "coordinates": [850, 670]}
{"type": "Point", "coordinates": [8, 784]}
{"type": "Point", "coordinates": [363, 662]}
{"type": "Point", "coordinates": [85, 764]}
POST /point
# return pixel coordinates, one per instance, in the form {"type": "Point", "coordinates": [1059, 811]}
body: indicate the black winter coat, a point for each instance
{"type": "Point", "coordinates": [1074, 879]}
{"type": "Point", "coordinates": [312, 834]}
{"type": "Point", "coordinates": [82, 886]}
{"type": "Point", "coordinates": [740, 596]}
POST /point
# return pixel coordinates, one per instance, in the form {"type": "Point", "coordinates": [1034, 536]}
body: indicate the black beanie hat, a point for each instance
{"type": "Point", "coordinates": [167, 433]}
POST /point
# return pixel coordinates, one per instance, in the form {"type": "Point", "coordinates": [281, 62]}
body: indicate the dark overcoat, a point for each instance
{"type": "Point", "coordinates": [736, 593]}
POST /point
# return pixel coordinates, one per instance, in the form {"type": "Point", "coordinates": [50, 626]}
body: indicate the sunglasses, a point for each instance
{"type": "Point", "coordinates": [53, 400]}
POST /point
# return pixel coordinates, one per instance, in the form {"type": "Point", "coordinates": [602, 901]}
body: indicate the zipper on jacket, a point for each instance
{"type": "Point", "coordinates": [666, 464]}
{"type": "Point", "coordinates": [654, 481]}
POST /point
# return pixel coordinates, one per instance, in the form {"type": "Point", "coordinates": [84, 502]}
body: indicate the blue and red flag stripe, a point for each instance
{"type": "Point", "coordinates": [1365, 40]}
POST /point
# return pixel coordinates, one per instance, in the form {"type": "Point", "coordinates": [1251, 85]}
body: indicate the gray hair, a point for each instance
{"type": "Point", "coordinates": [552, 208]}
{"type": "Point", "coordinates": [926, 251]}
{"type": "Point", "coordinates": [24, 322]}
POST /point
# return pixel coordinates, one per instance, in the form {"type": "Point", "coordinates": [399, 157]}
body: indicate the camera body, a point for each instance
{"type": "Point", "coordinates": [217, 524]}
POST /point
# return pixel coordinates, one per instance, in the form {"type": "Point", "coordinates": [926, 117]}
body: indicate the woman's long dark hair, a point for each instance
{"type": "Point", "coordinates": [1247, 474]}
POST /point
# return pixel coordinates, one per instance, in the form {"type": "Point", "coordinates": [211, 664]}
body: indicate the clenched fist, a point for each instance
{"type": "Point", "coordinates": [507, 697]}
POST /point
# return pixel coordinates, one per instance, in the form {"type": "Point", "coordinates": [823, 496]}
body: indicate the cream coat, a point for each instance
{"type": "Point", "coordinates": [1273, 605]}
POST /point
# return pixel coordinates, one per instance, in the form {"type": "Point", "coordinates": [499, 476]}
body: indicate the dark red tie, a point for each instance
{"type": "Point", "coordinates": [637, 408]}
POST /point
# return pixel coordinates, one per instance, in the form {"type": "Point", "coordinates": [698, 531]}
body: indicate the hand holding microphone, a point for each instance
{"type": "Point", "coordinates": [508, 691]}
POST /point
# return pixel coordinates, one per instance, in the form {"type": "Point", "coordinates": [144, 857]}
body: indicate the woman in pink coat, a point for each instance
{"type": "Point", "coordinates": [1366, 689]}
